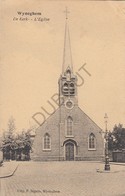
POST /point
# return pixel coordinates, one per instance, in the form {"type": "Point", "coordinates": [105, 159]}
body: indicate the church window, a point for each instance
{"type": "Point", "coordinates": [92, 141]}
{"type": "Point", "coordinates": [65, 86]}
{"type": "Point", "coordinates": [65, 89]}
{"type": "Point", "coordinates": [69, 126]}
{"type": "Point", "coordinates": [47, 142]}
{"type": "Point", "coordinates": [71, 85]}
{"type": "Point", "coordinates": [72, 89]}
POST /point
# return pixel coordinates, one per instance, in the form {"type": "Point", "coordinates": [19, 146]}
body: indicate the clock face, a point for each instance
{"type": "Point", "coordinates": [69, 104]}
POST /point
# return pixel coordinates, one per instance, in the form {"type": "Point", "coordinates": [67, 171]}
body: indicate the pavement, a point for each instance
{"type": "Point", "coordinates": [8, 169]}
{"type": "Point", "coordinates": [61, 179]}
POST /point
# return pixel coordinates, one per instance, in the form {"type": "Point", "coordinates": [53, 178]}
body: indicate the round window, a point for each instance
{"type": "Point", "coordinates": [69, 104]}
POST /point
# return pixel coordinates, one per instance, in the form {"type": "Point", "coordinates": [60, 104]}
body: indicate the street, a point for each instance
{"type": "Point", "coordinates": [64, 179]}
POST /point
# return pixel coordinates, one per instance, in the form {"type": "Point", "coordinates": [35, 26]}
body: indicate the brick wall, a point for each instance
{"type": "Point", "coordinates": [55, 125]}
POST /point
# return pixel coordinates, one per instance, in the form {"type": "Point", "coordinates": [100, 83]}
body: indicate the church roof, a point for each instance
{"type": "Point", "coordinates": [67, 54]}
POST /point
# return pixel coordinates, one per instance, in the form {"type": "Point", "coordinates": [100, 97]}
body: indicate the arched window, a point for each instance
{"type": "Point", "coordinates": [47, 142]}
{"type": "Point", "coordinates": [65, 85]}
{"type": "Point", "coordinates": [72, 89]}
{"type": "Point", "coordinates": [71, 85]}
{"type": "Point", "coordinates": [65, 89]}
{"type": "Point", "coordinates": [92, 141]}
{"type": "Point", "coordinates": [69, 125]}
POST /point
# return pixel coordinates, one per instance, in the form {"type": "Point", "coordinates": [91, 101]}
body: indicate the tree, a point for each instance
{"type": "Point", "coordinates": [116, 139]}
{"type": "Point", "coordinates": [27, 145]}
{"type": "Point", "coordinates": [16, 146]}
{"type": "Point", "coordinates": [23, 146]}
{"type": "Point", "coordinates": [8, 140]}
{"type": "Point", "coordinates": [110, 141]}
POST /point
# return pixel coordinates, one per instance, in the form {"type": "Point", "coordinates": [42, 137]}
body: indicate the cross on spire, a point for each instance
{"type": "Point", "coordinates": [66, 12]}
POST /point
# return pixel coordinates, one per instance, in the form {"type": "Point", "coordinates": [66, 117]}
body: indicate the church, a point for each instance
{"type": "Point", "coordinates": [68, 134]}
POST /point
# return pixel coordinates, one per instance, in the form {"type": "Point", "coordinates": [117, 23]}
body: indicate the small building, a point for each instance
{"type": "Point", "coordinates": [119, 155]}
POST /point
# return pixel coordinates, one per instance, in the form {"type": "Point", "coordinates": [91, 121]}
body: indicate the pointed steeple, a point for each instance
{"type": "Point", "coordinates": [67, 55]}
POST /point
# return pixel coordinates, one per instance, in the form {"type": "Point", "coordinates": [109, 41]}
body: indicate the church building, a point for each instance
{"type": "Point", "coordinates": [68, 134]}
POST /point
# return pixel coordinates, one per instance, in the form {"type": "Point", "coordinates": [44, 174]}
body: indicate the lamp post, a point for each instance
{"type": "Point", "coordinates": [107, 165]}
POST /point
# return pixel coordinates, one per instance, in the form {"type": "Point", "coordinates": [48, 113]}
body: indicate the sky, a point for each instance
{"type": "Point", "coordinates": [32, 55]}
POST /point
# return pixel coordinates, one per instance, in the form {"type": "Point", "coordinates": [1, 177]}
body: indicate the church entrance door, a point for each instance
{"type": "Point", "coordinates": [69, 150]}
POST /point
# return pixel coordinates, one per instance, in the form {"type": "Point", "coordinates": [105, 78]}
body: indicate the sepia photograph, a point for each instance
{"type": "Point", "coordinates": [62, 98]}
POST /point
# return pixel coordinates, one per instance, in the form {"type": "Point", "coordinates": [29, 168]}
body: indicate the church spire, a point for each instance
{"type": "Point", "coordinates": [67, 55]}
